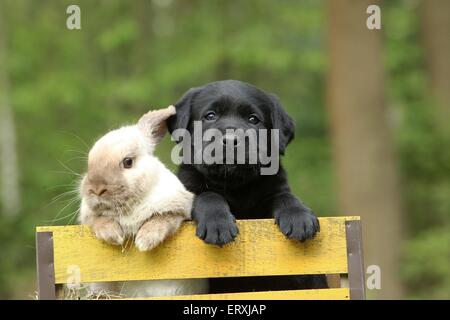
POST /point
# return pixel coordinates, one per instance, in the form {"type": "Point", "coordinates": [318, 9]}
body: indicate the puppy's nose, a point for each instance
{"type": "Point", "coordinates": [231, 139]}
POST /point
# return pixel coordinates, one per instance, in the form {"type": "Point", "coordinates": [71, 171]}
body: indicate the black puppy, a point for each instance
{"type": "Point", "coordinates": [228, 191]}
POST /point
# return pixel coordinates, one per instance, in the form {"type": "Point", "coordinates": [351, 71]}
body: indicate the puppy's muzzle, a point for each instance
{"type": "Point", "coordinates": [230, 139]}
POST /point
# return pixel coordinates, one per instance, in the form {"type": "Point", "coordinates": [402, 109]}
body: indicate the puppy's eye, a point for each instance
{"type": "Point", "coordinates": [127, 163]}
{"type": "Point", "coordinates": [253, 119]}
{"type": "Point", "coordinates": [210, 116]}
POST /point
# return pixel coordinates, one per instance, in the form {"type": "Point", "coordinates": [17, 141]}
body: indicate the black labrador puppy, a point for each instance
{"type": "Point", "coordinates": [226, 191]}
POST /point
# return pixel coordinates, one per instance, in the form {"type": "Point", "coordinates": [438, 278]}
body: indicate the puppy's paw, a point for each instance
{"type": "Point", "coordinates": [218, 230]}
{"type": "Point", "coordinates": [108, 230]}
{"type": "Point", "coordinates": [298, 223]}
{"type": "Point", "coordinates": [155, 230]}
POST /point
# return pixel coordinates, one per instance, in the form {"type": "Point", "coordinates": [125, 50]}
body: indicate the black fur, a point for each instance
{"type": "Point", "coordinates": [225, 192]}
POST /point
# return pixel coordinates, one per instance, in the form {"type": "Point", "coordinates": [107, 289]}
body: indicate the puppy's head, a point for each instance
{"type": "Point", "coordinates": [232, 105]}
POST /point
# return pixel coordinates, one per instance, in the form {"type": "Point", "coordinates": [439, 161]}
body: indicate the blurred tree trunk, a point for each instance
{"type": "Point", "coordinates": [367, 180]}
{"type": "Point", "coordinates": [10, 199]}
{"type": "Point", "coordinates": [436, 39]}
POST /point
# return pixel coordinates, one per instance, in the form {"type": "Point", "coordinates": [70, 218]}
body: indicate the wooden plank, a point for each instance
{"type": "Point", "coordinates": [313, 294]}
{"type": "Point", "coordinates": [334, 280]}
{"type": "Point", "coordinates": [355, 260]}
{"type": "Point", "coordinates": [260, 249]}
{"type": "Point", "coordinates": [44, 264]}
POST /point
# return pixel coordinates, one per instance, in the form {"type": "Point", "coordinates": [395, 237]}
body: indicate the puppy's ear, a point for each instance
{"type": "Point", "coordinates": [282, 121]}
{"type": "Point", "coordinates": [183, 110]}
{"type": "Point", "coordinates": [153, 123]}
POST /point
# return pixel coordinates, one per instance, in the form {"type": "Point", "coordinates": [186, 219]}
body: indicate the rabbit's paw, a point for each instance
{"type": "Point", "coordinates": [155, 230]}
{"type": "Point", "coordinates": [108, 230]}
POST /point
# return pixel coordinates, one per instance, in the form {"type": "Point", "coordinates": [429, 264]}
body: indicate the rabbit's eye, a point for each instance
{"type": "Point", "coordinates": [127, 163]}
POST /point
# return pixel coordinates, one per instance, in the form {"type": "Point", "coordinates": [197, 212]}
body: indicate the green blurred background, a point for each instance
{"type": "Point", "coordinates": [61, 89]}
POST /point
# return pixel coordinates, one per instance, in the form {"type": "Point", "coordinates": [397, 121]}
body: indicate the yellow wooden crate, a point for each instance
{"type": "Point", "coordinates": [259, 250]}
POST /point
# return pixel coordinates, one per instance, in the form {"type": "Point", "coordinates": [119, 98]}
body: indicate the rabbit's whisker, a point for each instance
{"type": "Point", "coordinates": [72, 201]}
{"type": "Point", "coordinates": [69, 169]}
{"type": "Point", "coordinates": [61, 185]}
{"type": "Point", "coordinates": [66, 172]}
{"type": "Point", "coordinates": [66, 216]}
{"type": "Point", "coordinates": [60, 196]}
{"type": "Point", "coordinates": [78, 151]}
{"type": "Point", "coordinates": [73, 216]}
{"type": "Point", "coordinates": [76, 136]}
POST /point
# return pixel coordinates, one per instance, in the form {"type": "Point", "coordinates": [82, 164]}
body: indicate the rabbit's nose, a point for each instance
{"type": "Point", "coordinates": [102, 191]}
{"type": "Point", "coordinates": [98, 191]}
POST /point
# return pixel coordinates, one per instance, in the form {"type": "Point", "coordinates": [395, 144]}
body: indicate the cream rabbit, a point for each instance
{"type": "Point", "coordinates": [128, 192]}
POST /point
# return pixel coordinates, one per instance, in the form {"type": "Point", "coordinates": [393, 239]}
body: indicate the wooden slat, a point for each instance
{"type": "Point", "coordinates": [260, 249]}
{"type": "Point", "coordinates": [314, 294]}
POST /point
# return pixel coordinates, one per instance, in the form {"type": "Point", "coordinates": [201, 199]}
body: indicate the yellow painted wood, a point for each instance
{"type": "Point", "coordinates": [260, 249]}
{"type": "Point", "coordinates": [314, 294]}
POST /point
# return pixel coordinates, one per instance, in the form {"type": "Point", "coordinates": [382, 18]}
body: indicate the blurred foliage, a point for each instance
{"type": "Point", "coordinates": [70, 87]}
{"type": "Point", "coordinates": [424, 156]}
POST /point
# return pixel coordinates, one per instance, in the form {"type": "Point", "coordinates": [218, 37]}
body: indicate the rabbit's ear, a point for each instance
{"type": "Point", "coordinates": [183, 106]}
{"type": "Point", "coordinates": [153, 123]}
